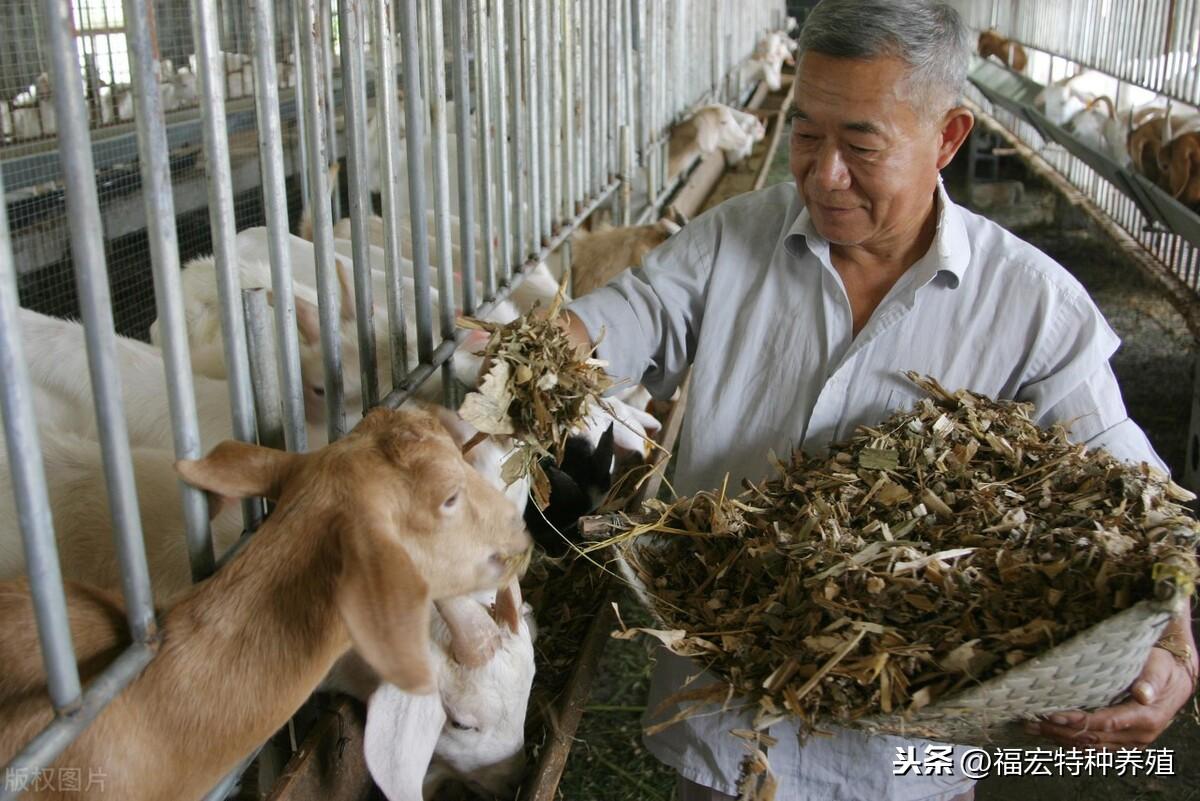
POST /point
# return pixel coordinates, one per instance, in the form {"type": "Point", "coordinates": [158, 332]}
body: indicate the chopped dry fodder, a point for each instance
{"type": "Point", "coordinates": [938, 549]}
{"type": "Point", "coordinates": [540, 387]}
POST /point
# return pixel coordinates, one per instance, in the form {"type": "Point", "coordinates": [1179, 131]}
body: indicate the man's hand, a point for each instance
{"type": "Point", "coordinates": [571, 324]}
{"type": "Point", "coordinates": [1165, 686]}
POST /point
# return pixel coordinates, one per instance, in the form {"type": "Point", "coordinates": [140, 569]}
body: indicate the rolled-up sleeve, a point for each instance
{"type": "Point", "coordinates": [1073, 383]}
{"type": "Point", "coordinates": [646, 320]}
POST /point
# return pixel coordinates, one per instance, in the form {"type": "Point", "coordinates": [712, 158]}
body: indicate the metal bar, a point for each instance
{"type": "Point", "coordinates": [446, 349]}
{"type": "Point", "coordinates": [389, 119]}
{"type": "Point", "coordinates": [91, 281]}
{"type": "Point", "coordinates": [328, 292]}
{"type": "Point", "coordinates": [210, 65]}
{"type": "Point", "coordinates": [324, 30]}
{"type": "Point", "coordinates": [595, 69]}
{"type": "Point", "coordinates": [414, 115]}
{"type": "Point", "coordinates": [270, 147]}
{"type": "Point", "coordinates": [261, 347]}
{"type": "Point", "coordinates": [570, 95]}
{"type": "Point", "coordinates": [517, 134]}
{"type": "Point", "coordinates": [29, 490]}
{"type": "Point", "coordinates": [531, 54]}
{"type": "Point", "coordinates": [153, 158]}
{"type": "Point", "coordinates": [441, 172]}
{"type": "Point", "coordinates": [459, 35]}
{"type": "Point", "coordinates": [556, 171]}
{"type": "Point", "coordinates": [301, 106]}
{"type": "Point", "coordinates": [544, 130]}
{"type": "Point", "coordinates": [48, 745]}
{"type": "Point", "coordinates": [498, 97]}
{"type": "Point", "coordinates": [354, 94]}
{"type": "Point", "coordinates": [586, 76]}
{"type": "Point", "coordinates": [483, 59]}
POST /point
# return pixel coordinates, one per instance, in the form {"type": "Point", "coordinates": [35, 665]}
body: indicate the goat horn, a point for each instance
{"type": "Point", "coordinates": [507, 611]}
{"type": "Point", "coordinates": [474, 636]}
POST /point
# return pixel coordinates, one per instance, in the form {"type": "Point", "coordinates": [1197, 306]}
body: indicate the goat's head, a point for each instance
{"type": "Point", "coordinates": [312, 366]}
{"type": "Point", "coordinates": [1179, 163]}
{"type": "Point", "coordinates": [718, 129]}
{"type": "Point", "coordinates": [412, 522]}
{"type": "Point", "coordinates": [485, 691]}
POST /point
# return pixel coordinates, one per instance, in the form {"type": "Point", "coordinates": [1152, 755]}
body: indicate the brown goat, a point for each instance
{"type": "Point", "coordinates": [601, 255]}
{"type": "Point", "coordinates": [1179, 167]}
{"type": "Point", "coordinates": [366, 533]}
{"type": "Point", "coordinates": [1008, 51]}
{"type": "Point", "coordinates": [1144, 143]}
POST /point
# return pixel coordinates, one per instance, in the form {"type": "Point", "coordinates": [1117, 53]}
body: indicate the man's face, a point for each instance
{"type": "Point", "coordinates": [865, 161]}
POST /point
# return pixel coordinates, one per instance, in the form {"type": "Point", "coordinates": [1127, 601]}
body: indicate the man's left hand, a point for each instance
{"type": "Point", "coordinates": [1165, 685]}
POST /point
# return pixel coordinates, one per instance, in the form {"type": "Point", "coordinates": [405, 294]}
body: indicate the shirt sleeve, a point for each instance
{"type": "Point", "coordinates": [1071, 382]}
{"type": "Point", "coordinates": [646, 321]}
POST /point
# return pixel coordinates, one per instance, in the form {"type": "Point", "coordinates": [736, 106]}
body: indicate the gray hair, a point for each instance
{"type": "Point", "coordinates": [929, 36]}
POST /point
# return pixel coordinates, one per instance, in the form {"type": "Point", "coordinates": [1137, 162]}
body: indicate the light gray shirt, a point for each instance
{"type": "Point", "coordinates": [747, 296]}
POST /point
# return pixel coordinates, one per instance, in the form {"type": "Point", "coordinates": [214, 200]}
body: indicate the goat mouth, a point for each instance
{"type": "Point", "coordinates": [513, 564]}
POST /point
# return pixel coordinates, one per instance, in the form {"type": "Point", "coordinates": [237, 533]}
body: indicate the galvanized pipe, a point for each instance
{"type": "Point", "coordinates": [517, 135]}
{"type": "Point", "coordinates": [459, 35]}
{"type": "Point", "coordinates": [95, 305]}
{"type": "Point", "coordinates": [263, 377]}
{"type": "Point", "coordinates": [324, 30]}
{"type": "Point", "coordinates": [441, 172]}
{"type": "Point", "coordinates": [210, 73]}
{"type": "Point", "coordinates": [270, 148]}
{"type": "Point", "coordinates": [414, 115]}
{"type": "Point", "coordinates": [483, 74]}
{"type": "Point", "coordinates": [328, 292]}
{"type": "Point", "coordinates": [509, 229]}
{"type": "Point", "coordinates": [389, 122]}
{"type": "Point", "coordinates": [531, 54]}
{"type": "Point", "coordinates": [154, 158]}
{"type": "Point", "coordinates": [301, 104]}
{"type": "Point", "coordinates": [570, 109]}
{"type": "Point", "coordinates": [354, 93]}
{"type": "Point", "coordinates": [29, 491]}
{"type": "Point", "coordinates": [556, 173]}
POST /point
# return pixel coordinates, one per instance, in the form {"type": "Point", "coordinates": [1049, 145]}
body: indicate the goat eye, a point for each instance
{"type": "Point", "coordinates": [451, 502]}
{"type": "Point", "coordinates": [461, 726]}
{"type": "Point", "coordinates": [319, 391]}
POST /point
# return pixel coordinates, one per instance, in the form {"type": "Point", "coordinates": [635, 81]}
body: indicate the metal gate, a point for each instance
{"type": "Point", "coordinates": [518, 117]}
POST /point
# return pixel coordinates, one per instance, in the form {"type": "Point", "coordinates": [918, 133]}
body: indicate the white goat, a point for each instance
{"type": "Point", "coordinates": [262, 632]}
{"type": "Point", "coordinates": [710, 129]}
{"type": "Point", "coordinates": [473, 731]}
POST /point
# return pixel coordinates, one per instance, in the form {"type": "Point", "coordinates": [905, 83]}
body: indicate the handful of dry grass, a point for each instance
{"type": "Point", "coordinates": [936, 550]}
{"type": "Point", "coordinates": [540, 388]}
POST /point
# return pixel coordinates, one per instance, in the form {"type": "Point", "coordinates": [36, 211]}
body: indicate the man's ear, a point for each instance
{"type": "Point", "coordinates": [239, 470]}
{"type": "Point", "coordinates": [384, 603]}
{"type": "Point", "coordinates": [956, 126]}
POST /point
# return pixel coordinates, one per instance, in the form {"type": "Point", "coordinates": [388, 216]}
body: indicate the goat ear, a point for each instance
{"type": "Point", "coordinates": [345, 274]}
{"type": "Point", "coordinates": [708, 132]}
{"type": "Point", "coordinates": [384, 603]}
{"type": "Point", "coordinates": [239, 470]}
{"type": "Point", "coordinates": [508, 606]}
{"type": "Point", "coordinates": [401, 734]}
{"type": "Point", "coordinates": [308, 322]}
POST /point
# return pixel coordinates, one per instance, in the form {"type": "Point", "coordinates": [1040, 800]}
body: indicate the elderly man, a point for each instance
{"type": "Point", "coordinates": [798, 308]}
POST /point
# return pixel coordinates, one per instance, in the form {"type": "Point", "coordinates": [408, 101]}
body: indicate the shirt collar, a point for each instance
{"type": "Point", "coordinates": [951, 249]}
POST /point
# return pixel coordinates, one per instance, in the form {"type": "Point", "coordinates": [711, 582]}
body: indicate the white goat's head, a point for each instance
{"type": "Point", "coordinates": [485, 690]}
{"type": "Point", "coordinates": [473, 730]}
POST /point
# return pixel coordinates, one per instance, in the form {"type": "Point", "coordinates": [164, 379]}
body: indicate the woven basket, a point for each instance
{"type": "Point", "coordinates": [1093, 669]}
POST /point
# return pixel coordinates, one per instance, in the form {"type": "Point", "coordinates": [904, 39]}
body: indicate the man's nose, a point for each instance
{"type": "Point", "coordinates": [831, 171]}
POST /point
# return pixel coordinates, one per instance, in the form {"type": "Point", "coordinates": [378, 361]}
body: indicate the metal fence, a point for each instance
{"type": "Point", "coordinates": [1148, 51]}
{"type": "Point", "coordinates": [518, 116]}
{"type": "Point", "coordinates": [1151, 43]}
